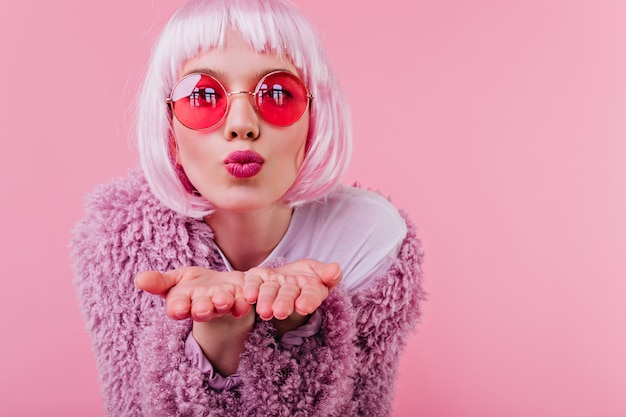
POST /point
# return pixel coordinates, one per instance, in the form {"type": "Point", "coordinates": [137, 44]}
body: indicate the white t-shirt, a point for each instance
{"type": "Point", "coordinates": [356, 228]}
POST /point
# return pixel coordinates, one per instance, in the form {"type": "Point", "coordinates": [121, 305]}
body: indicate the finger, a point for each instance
{"type": "Point", "coordinates": [251, 285]}
{"type": "Point", "coordinates": [157, 283]}
{"type": "Point", "coordinates": [223, 299]}
{"type": "Point", "coordinates": [241, 307]}
{"type": "Point", "coordinates": [265, 300]}
{"type": "Point", "coordinates": [331, 275]}
{"type": "Point", "coordinates": [285, 301]}
{"type": "Point", "coordinates": [310, 298]}
{"type": "Point", "coordinates": [178, 304]}
{"type": "Point", "coordinates": [202, 309]}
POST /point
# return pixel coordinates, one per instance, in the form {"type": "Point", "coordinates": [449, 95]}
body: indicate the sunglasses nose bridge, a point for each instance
{"type": "Point", "coordinates": [241, 116]}
{"type": "Point", "coordinates": [234, 93]}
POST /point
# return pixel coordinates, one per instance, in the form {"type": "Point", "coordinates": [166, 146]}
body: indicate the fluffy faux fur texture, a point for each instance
{"type": "Point", "coordinates": [347, 369]}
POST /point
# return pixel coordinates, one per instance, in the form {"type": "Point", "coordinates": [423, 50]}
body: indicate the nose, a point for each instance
{"type": "Point", "coordinates": [242, 120]}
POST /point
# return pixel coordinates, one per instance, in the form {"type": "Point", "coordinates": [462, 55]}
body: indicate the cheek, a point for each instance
{"type": "Point", "coordinates": [175, 157]}
{"type": "Point", "coordinates": [186, 144]}
{"type": "Point", "coordinates": [175, 139]}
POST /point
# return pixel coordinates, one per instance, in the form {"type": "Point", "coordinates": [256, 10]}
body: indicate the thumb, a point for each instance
{"type": "Point", "coordinates": [156, 282]}
{"type": "Point", "coordinates": [331, 275]}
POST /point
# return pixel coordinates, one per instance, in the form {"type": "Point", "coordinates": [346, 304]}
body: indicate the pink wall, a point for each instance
{"type": "Point", "coordinates": [503, 135]}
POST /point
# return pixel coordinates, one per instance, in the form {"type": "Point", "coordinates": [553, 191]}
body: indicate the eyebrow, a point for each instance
{"type": "Point", "coordinates": [220, 75]}
{"type": "Point", "coordinates": [213, 73]}
{"type": "Point", "coordinates": [260, 74]}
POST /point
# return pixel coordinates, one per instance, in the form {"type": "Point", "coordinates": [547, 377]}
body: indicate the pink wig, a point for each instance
{"type": "Point", "coordinates": [269, 26]}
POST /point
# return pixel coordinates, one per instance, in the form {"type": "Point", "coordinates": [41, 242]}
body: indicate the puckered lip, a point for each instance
{"type": "Point", "coordinates": [244, 157]}
{"type": "Point", "coordinates": [243, 163]}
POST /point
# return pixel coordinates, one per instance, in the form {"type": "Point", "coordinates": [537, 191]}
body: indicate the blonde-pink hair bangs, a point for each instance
{"type": "Point", "coordinates": [269, 26]}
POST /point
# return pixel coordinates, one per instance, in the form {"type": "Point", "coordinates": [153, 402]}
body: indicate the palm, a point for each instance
{"type": "Point", "coordinates": [299, 286]}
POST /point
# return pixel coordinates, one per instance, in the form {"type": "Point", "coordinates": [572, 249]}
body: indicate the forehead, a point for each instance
{"type": "Point", "coordinates": [236, 61]}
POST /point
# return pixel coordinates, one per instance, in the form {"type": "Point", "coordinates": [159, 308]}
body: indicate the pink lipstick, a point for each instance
{"type": "Point", "coordinates": [244, 164]}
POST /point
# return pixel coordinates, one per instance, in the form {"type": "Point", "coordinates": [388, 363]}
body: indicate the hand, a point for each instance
{"type": "Point", "coordinates": [301, 286]}
{"type": "Point", "coordinates": [199, 293]}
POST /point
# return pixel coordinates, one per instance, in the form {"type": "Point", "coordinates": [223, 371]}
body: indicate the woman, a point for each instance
{"type": "Point", "coordinates": [235, 275]}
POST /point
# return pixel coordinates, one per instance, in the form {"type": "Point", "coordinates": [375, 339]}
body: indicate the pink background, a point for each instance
{"type": "Point", "coordinates": [502, 133]}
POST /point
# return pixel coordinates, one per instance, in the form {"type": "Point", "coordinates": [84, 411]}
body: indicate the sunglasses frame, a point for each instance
{"type": "Point", "coordinates": [170, 102]}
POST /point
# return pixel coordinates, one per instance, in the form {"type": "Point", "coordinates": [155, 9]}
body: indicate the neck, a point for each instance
{"type": "Point", "coordinates": [246, 238]}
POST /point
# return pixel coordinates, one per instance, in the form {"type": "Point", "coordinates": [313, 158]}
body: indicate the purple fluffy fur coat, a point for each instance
{"type": "Point", "coordinates": [347, 369]}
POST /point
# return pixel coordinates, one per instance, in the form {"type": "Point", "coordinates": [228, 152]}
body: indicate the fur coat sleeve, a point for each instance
{"type": "Point", "coordinates": [347, 369]}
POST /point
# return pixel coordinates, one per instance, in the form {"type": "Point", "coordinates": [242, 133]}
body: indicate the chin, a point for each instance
{"type": "Point", "coordinates": [245, 197]}
{"type": "Point", "coordinates": [245, 204]}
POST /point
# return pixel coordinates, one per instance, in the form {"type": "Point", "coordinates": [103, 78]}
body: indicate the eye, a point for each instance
{"type": "Point", "coordinates": [204, 96]}
{"type": "Point", "coordinates": [277, 95]}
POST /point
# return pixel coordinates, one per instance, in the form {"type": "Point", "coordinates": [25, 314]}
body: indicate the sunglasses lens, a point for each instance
{"type": "Point", "coordinates": [199, 101]}
{"type": "Point", "coordinates": [281, 98]}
